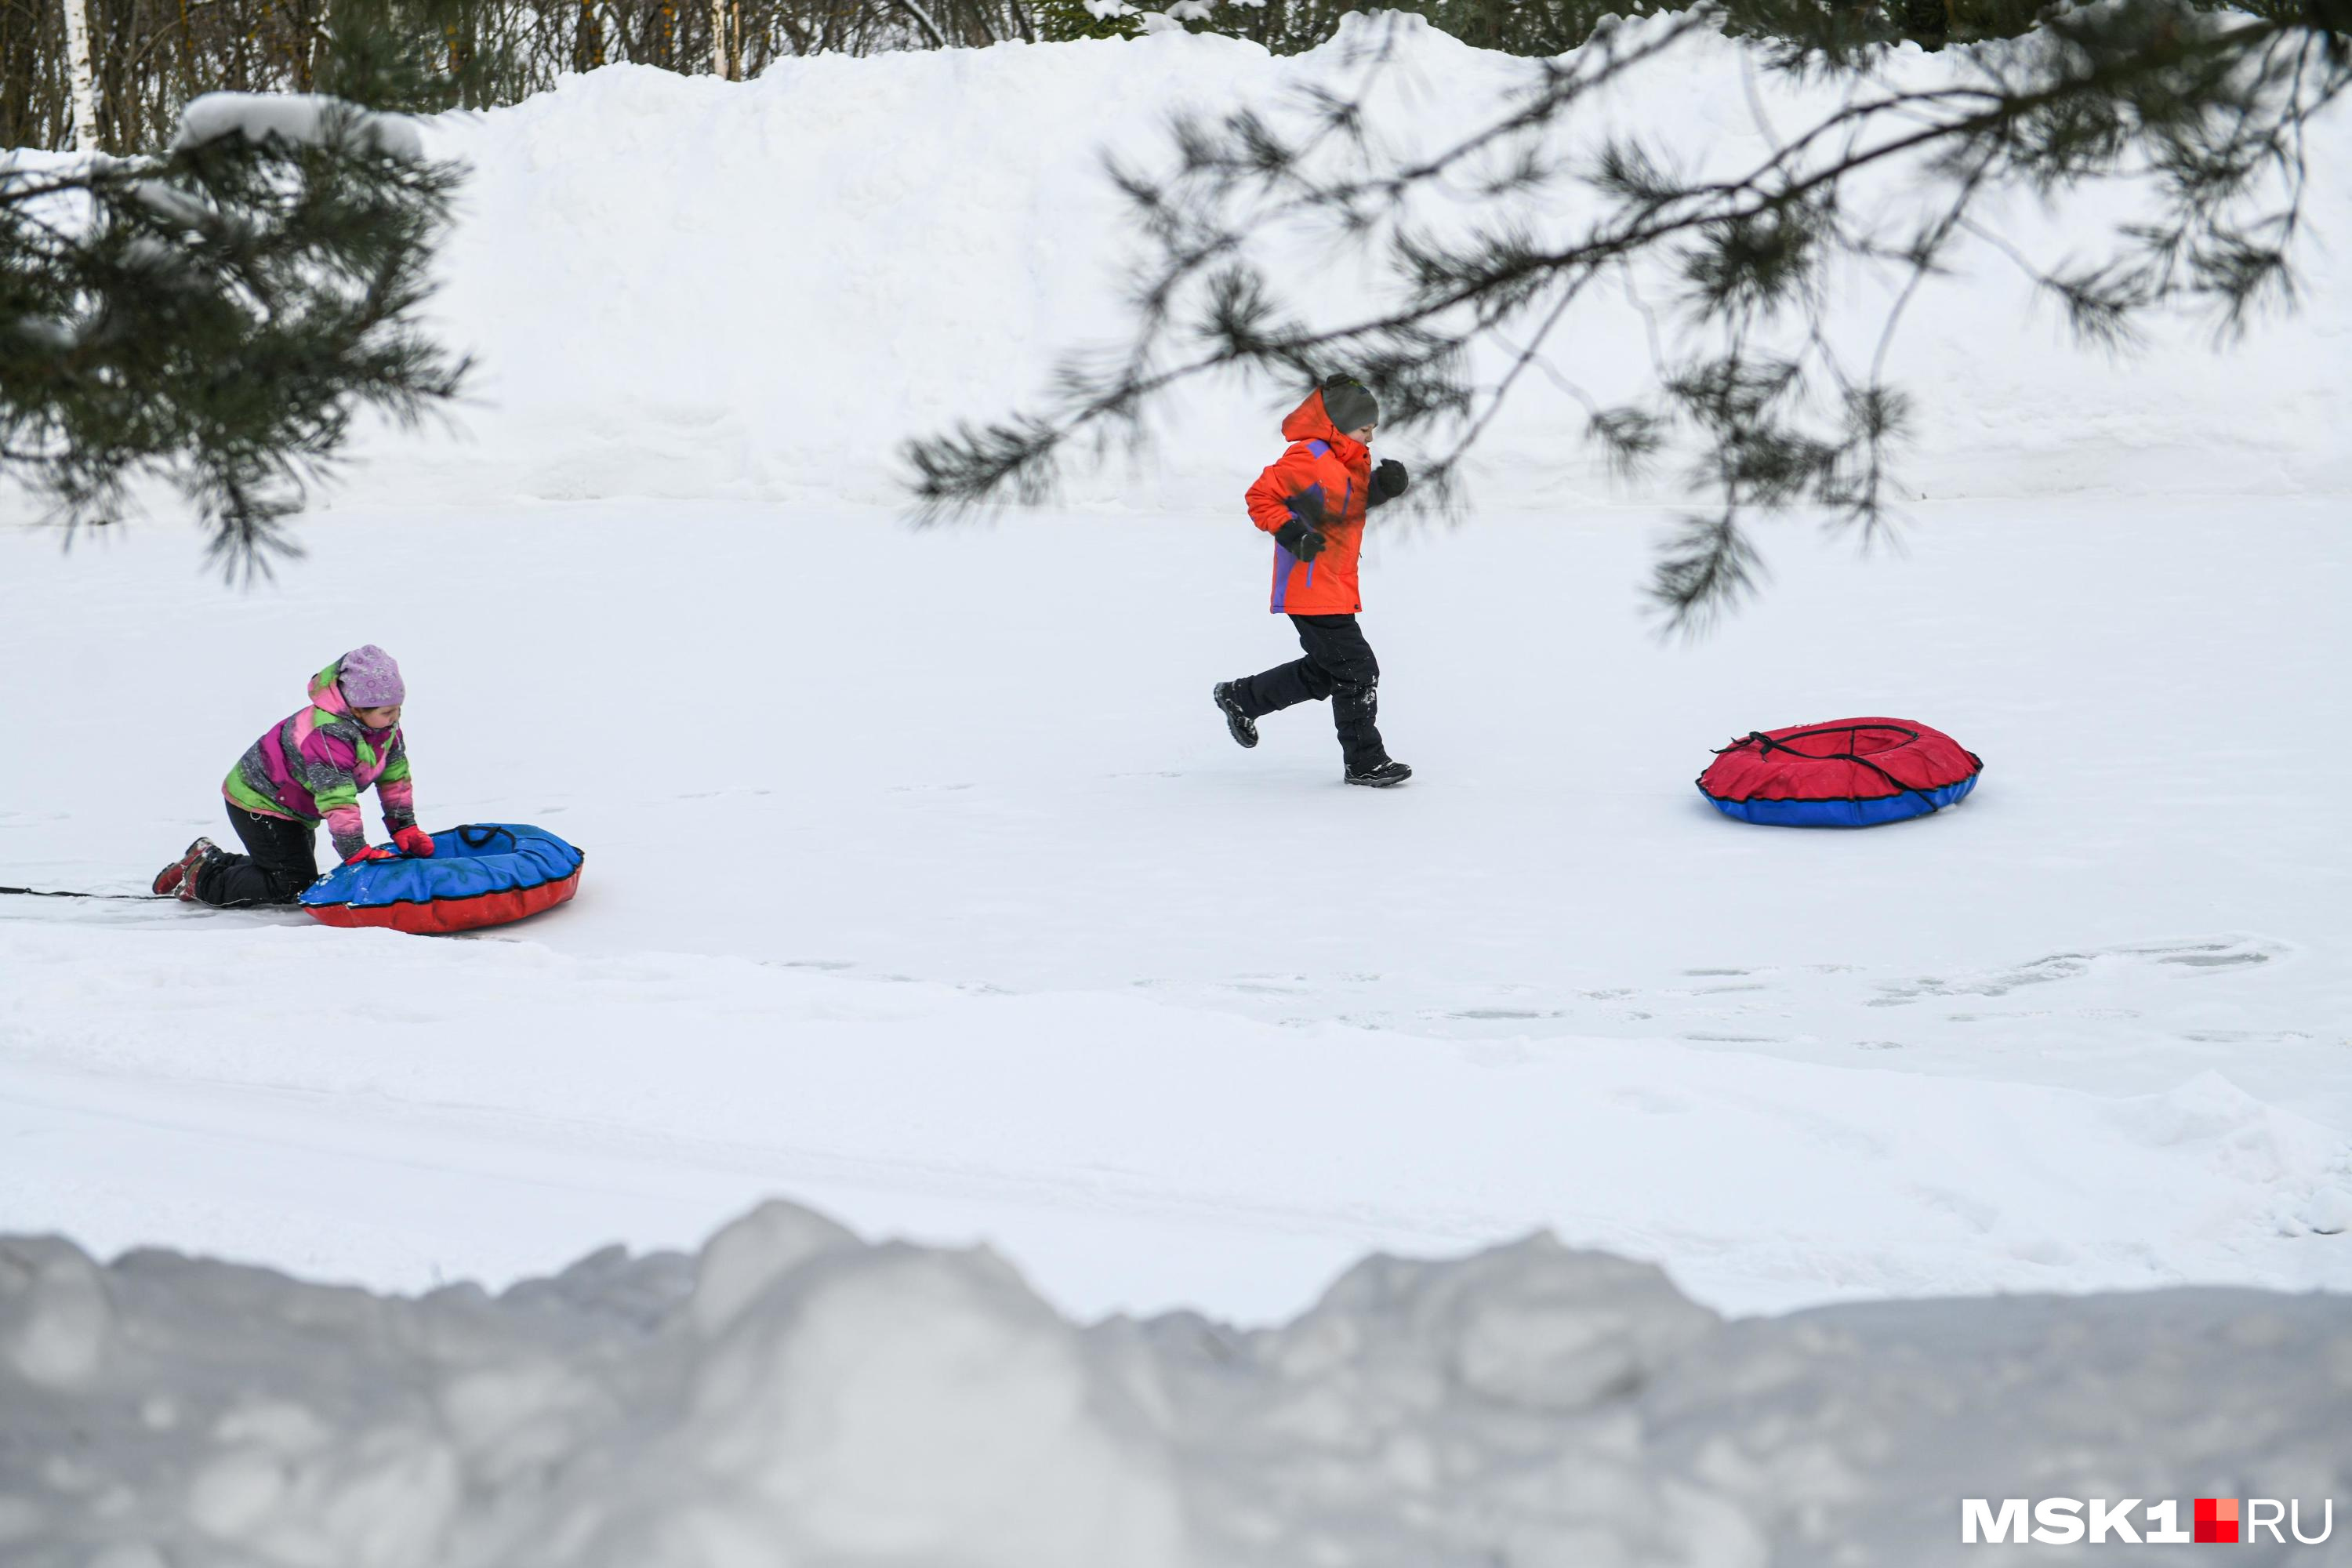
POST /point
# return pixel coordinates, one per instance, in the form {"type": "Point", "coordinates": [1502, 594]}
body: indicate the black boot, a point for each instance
{"type": "Point", "coordinates": [1243, 728]}
{"type": "Point", "coordinates": [1380, 776]}
{"type": "Point", "coordinates": [180, 877]}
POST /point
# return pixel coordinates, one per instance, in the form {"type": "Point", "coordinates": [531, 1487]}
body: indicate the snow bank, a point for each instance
{"type": "Point", "coordinates": [296, 119]}
{"type": "Point", "coordinates": [797, 1395]}
{"type": "Point", "coordinates": [685, 288]}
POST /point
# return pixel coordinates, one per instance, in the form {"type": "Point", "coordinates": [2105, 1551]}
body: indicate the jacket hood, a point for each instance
{"type": "Point", "coordinates": [1312, 422]}
{"type": "Point", "coordinates": [326, 695]}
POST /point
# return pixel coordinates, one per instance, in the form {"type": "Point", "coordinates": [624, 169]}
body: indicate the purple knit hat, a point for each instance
{"type": "Point", "coordinates": [369, 678]}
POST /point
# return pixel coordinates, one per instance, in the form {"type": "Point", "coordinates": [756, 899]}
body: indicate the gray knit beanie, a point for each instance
{"type": "Point", "coordinates": [1349, 403]}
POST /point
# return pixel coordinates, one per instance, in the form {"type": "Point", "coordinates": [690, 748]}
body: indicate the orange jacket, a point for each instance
{"type": "Point", "coordinates": [1320, 458]}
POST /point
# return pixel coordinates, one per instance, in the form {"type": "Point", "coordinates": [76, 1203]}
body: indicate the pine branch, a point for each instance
{"type": "Point", "coordinates": [2204, 110]}
{"type": "Point", "coordinates": [215, 317]}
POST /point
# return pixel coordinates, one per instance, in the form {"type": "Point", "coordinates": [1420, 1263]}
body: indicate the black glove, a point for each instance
{"type": "Point", "coordinates": [1389, 481]}
{"type": "Point", "coordinates": [1303, 534]}
{"type": "Point", "coordinates": [1300, 539]}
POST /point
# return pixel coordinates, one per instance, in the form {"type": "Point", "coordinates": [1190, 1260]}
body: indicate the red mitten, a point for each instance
{"type": "Point", "coordinates": [415, 841]}
{"type": "Point", "coordinates": [374, 852]}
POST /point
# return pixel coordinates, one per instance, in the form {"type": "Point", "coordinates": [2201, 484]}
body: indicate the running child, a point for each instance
{"type": "Point", "coordinates": [1313, 501]}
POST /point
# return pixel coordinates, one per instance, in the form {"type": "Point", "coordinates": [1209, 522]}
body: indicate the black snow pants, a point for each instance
{"type": "Point", "coordinates": [280, 860]}
{"type": "Point", "coordinates": [1338, 665]}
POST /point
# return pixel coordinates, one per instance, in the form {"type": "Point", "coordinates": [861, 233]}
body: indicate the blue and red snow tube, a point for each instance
{"type": "Point", "coordinates": [482, 874]}
{"type": "Point", "coordinates": [1851, 773]}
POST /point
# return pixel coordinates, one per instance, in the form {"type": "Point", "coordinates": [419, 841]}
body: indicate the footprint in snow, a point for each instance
{"type": "Point", "coordinates": [2206, 954]}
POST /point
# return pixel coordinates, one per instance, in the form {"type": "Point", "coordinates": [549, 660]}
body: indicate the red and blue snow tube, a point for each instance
{"type": "Point", "coordinates": [1852, 772]}
{"type": "Point", "coordinates": [481, 874]}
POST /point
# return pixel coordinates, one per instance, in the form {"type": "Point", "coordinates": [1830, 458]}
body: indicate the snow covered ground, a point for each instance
{"type": "Point", "coordinates": [924, 887]}
{"type": "Point", "coordinates": [949, 907]}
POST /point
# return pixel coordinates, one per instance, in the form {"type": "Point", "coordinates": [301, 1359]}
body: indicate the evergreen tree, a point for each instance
{"type": "Point", "coordinates": [1064, 21]}
{"type": "Point", "coordinates": [218, 314]}
{"type": "Point", "coordinates": [2200, 110]}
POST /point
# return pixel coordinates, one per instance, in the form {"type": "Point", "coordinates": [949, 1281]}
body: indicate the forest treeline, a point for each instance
{"type": "Point", "coordinates": [151, 55]}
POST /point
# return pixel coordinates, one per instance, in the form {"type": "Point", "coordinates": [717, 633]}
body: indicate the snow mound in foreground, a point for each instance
{"type": "Point", "coordinates": [796, 1396]}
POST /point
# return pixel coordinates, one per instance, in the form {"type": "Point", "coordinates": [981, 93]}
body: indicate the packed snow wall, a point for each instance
{"type": "Point", "coordinates": [679, 287]}
{"type": "Point", "coordinates": [796, 1394]}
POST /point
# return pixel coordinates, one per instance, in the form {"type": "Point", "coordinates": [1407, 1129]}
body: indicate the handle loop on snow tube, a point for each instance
{"type": "Point", "coordinates": [475, 835]}
{"type": "Point", "coordinates": [1767, 745]}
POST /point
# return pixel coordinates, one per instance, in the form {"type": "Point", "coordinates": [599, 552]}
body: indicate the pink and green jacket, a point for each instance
{"type": "Point", "coordinates": [315, 765]}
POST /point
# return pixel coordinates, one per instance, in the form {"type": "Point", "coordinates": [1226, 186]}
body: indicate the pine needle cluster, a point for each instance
{"type": "Point", "coordinates": [218, 315]}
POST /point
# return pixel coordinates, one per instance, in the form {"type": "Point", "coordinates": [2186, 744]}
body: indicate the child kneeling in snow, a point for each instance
{"type": "Point", "coordinates": [313, 765]}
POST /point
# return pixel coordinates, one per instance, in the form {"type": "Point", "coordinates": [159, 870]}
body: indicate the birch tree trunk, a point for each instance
{"type": "Point", "coordinates": [85, 94]}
